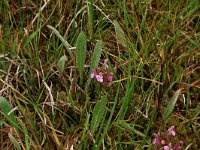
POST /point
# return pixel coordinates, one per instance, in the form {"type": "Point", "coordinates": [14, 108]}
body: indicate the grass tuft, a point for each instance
{"type": "Point", "coordinates": [48, 50]}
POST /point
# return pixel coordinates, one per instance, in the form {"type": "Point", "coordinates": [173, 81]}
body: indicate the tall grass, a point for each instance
{"type": "Point", "coordinates": [49, 50]}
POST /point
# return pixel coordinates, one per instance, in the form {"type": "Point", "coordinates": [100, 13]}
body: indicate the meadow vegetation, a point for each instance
{"type": "Point", "coordinates": [99, 74]}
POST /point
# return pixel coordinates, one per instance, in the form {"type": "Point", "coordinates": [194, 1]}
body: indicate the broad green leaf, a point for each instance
{"type": "Point", "coordinates": [61, 63]}
{"type": "Point", "coordinates": [6, 108]}
{"type": "Point", "coordinates": [81, 47]}
{"type": "Point", "coordinates": [96, 56]}
{"type": "Point", "coordinates": [171, 105]}
{"type": "Point", "coordinates": [14, 141]}
{"type": "Point", "coordinates": [121, 37]}
{"type": "Point", "coordinates": [98, 113]}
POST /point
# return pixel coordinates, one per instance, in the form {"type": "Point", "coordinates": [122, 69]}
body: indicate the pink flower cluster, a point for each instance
{"type": "Point", "coordinates": [166, 140]}
{"type": "Point", "coordinates": [102, 74]}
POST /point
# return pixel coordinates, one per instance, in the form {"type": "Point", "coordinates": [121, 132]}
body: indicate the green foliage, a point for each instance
{"type": "Point", "coordinates": [98, 113]}
{"type": "Point", "coordinates": [130, 128]}
{"type": "Point", "coordinates": [170, 106]}
{"type": "Point", "coordinates": [29, 39]}
{"type": "Point", "coordinates": [61, 63]}
{"type": "Point", "coordinates": [81, 49]}
{"type": "Point", "coordinates": [152, 48]}
{"type": "Point", "coordinates": [6, 109]}
{"type": "Point", "coordinates": [121, 37]}
{"type": "Point", "coordinates": [65, 43]}
{"type": "Point", "coordinates": [96, 56]}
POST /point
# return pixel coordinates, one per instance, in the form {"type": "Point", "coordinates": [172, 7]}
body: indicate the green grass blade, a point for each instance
{"type": "Point", "coordinates": [171, 104]}
{"type": "Point", "coordinates": [30, 38]}
{"type": "Point", "coordinates": [128, 127]}
{"type": "Point", "coordinates": [109, 120]}
{"type": "Point", "coordinates": [86, 126]}
{"type": "Point", "coordinates": [96, 56]}
{"type": "Point", "coordinates": [65, 43]}
{"type": "Point", "coordinates": [81, 48]}
{"type": "Point", "coordinates": [6, 108]}
{"type": "Point", "coordinates": [61, 63]}
{"type": "Point", "coordinates": [121, 37]}
{"type": "Point", "coordinates": [98, 113]}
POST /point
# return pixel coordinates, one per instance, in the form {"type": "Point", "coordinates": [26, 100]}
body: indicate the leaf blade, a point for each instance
{"type": "Point", "coordinates": [96, 56]}
{"type": "Point", "coordinates": [121, 37]}
{"type": "Point", "coordinates": [171, 105]}
{"type": "Point", "coordinates": [61, 63]}
{"type": "Point", "coordinates": [98, 113]}
{"type": "Point", "coordinates": [6, 108]}
{"type": "Point", "coordinates": [81, 47]}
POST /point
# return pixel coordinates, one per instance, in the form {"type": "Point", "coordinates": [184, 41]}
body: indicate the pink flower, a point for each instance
{"type": "Point", "coordinates": [167, 148]}
{"type": "Point", "coordinates": [105, 63]}
{"type": "Point", "coordinates": [162, 142]}
{"type": "Point", "coordinates": [102, 75]}
{"type": "Point", "coordinates": [99, 77]}
{"type": "Point", "coordinates": [157, 139]}
{"type": "Point", "coordinates": [109, 76]}
{"type": "Point", "coordinates": [171, 131]}
{"type": "Point", "coordinates": [93, 74]}
{"type": "Point", "coordinates": [177, 146]}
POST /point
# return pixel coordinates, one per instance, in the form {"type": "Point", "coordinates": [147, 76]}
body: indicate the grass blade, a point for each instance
{"type": "Point", "coordinates": [96, 56]}
{"type": "Point", "coordinates": [6, 108]}
{"type": "Point", "coordinates": [14, 141]}
{"type": "Point", "coordinates": [91, 19]}
{"type": "Point", "coordinates": [171, 104]}
{"type": "Point", "coordinates": [121, 37]}
{"type": "Point", "coordinates": [61, 63]}
{"type": "Point", "coordinates": [29, 39]}
{"type": "Point", "coordinates": [98, 113]}
{"type": "Point", "coordinates": [109, 120]}
{"type": "Point", "coordinates": [128, 127]}
{"type": "Point", "coordinates": [65, 43]}
{"type": "Point", "coordinates": [81, 48]}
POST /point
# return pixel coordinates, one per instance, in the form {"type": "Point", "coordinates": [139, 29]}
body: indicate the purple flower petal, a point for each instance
{"type": "Point", "coordinates": [171, 131]}
{"type": "Point", "coordinates": [157, 139]}
{"type": "Point", "coordinates": [99, 77]}
{"type": "Point", "coordinates": [167, 148]}
{"type": "Point", "coordinates": [177, 146]}
{"type": "Point", "coordinates": [109, 76]}
{"type": "Point", "coordinates": [93, 74]}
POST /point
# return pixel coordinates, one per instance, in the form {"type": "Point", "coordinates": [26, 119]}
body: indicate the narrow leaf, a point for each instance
{"type": "Point", "coordinates": [65, 43]}
{"type": "Point", "coordinates": [81, 47]}
{"type": "Point", "coordinates": [96, 56]}
{"type": "Point", "coordinates": [121, 37]}
{"type": "Point", "coordinates": [14, 141]}
{"type": "Point", "coordinates": [130, 128]}
{"type": "Point", "coordinates": [171, 104]}
{"type": "Point", "coordinates": [91, 19]}
{"type": "Point", "coordinates": [29, 39]}
{"type": "Point", "coordinates": [108, 126]}
{"type": "Point", "coordinates": [98, 113]}
{"type": "Point", "coordinates": [6, 108]}
{"type": "Point", "coordinates": [61, 63]}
